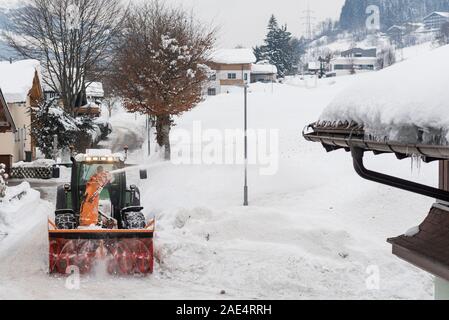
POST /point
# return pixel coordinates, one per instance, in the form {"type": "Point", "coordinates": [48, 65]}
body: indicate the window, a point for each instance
{"type": "Point", "coordinates": [213, 77]}
{"type": "Point", "coordinates": [245, 77]}
{"type": "Point", "coordinates": [232, 76]}
{"type": "Point", "coordinates": [211, 92]}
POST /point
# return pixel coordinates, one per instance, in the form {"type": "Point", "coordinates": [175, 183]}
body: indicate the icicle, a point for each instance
{"type": "Point", "coordinates": [416, 161]}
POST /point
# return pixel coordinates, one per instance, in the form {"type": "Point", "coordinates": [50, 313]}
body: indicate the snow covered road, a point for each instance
{"type": "Point", "coordinates": [313, 230]}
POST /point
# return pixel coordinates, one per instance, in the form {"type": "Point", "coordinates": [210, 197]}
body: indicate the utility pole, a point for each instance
{"type": "Point", "coordinates": [245, 188]}
{"type": "Point", "coordinates": [149, 133]}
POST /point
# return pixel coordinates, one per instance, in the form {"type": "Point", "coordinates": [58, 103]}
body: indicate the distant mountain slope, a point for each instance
{"type": "Point", "coordinates": [353, 14]}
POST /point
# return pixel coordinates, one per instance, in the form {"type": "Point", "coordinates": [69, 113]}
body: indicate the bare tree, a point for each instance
{"type": "Point", "coordinates": [71, 38]}
{"type": "Point", "coordinates": [160, 68]}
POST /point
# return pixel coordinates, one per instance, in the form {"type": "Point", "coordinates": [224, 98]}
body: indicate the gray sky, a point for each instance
{"type": "Point", "coordinates": [243, 22]}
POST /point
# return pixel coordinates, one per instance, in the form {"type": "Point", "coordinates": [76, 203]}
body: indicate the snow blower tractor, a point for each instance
{"type": "Point", "coordinates": [99, 220]}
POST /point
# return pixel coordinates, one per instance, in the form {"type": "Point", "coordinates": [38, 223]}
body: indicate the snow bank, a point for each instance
{"type": "Point", "coordinates": [18, 199]}
{"type": "Point", "coordinates": [16, 79]}
{"type": "Point", "coordinates": [412, 94]}
{"type": "Point", "coordinates": [41, 163]}
{"type": "Point", "coordinates": [233, 56]}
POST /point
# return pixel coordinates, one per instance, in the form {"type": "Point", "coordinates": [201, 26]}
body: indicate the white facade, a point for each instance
{"type": "Point", "coordinates": [435, 20]}
{"type": "Point", "coordinates": [17, 81]}
{"type": "Point", "coordinates": [16, 144]}
{"type": "Point", "coordinates": [230, 68]}
{"type": "Point", "coordinates": [344, 66]}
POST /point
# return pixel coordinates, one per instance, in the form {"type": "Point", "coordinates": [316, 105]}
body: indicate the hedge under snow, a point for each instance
{"type": "Point", "coordinates": [398, 102]}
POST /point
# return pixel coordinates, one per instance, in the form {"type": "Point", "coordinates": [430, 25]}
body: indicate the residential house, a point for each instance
{"type": "Point", "coordinates": [95, 91]}
{"type": "Point", "coordinates": [263, 71]}
{"type": "Point", "coordinates": [396, 33]}
{"type": "Point", "coordinates": [354, 60]}
{"type": "Point", "coordinates": [7, 125]}
{"type": "Point", "coordinates": [359, 53]}
{"type": "Point", "coordinates": [230, 68]}
{"type": "Point", "coordinates": [436, 19]}
{"type": "Point", "coordinates": [20, 84]}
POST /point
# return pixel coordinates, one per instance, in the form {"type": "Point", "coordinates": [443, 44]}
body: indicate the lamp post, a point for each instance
{"type": "Point", "coordinates": [245, 188]}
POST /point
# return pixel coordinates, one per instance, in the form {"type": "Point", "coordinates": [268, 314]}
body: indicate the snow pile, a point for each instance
{"type": "Point", "coordinates": [13, 193]}
{"type": "Point", "coordinates": [40, 163]}
{"type": "Point", "coordinates": [16, 79]}
{"type": "Point", "coordinates": [233, 56]}
{"type": "Point", "coordinates": [398, 101]}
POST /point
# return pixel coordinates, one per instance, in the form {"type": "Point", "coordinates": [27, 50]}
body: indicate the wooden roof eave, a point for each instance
{"type": "Point", "coordinates": [427, 248]}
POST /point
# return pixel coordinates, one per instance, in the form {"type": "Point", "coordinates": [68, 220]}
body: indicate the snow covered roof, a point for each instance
{"type": "Point", "coordinates": [410, 94]}
{"type": "Point", "coordinates": [95, 89]}
{"type": "Point", "coordinates": [263, 68]}
{"type": "Point", "coordinates": [440, 13]}
{"type": "Point", "coordinates": [16, 79]}
{"type": "Point", "coordinates": [353, 60]}
{"type": "Point", "coordinates": [233, 56]}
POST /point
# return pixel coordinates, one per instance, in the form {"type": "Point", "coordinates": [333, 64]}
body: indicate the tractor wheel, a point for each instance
{"type": "Point", "coordinates": [135, 220]}
{"type": "Point", "coordinates": [66, 221]}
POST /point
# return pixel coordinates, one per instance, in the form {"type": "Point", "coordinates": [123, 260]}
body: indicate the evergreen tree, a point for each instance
{"type": "Point", "coordinates": [278, 48]}
{"type": "Point", "coordinates": [50, 120]}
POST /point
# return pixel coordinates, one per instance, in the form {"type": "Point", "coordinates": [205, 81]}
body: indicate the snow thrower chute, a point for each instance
{"type": "Point", "coordinates": [99, 219]}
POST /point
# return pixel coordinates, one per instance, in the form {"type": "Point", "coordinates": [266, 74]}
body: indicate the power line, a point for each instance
{"type": "Point", "coordinates": [308, 18]}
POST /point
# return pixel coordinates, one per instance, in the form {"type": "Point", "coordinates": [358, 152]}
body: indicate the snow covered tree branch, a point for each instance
{"type": "Point", "coordinates": [71, 38]}
{"type": "Point", "coordinates": [160, 67]}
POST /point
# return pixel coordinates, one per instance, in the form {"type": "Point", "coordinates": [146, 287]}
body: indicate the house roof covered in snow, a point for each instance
{"type": "Point", "coordinates": [95, 89]}
{"type": "Point", "coordinates": [400, 107]}
{"type": "Point", "coordinates": [439, 13]}
{"type": "Point", "coordinates": [16, 79]}
{"type": "Point", "coordinates": [233, 56]}
{"type": "Point", "coordinates": [263, 68]}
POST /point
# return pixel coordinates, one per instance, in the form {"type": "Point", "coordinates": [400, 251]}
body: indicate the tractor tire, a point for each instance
{"type": "Point", "coordinates": [66, 221]}
{"type": "Point", "coordinates": [135, 220]}
{"type": "Point", "coordinates": [61, 202]}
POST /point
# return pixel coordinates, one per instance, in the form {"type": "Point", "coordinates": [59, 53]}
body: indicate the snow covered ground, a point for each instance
{"type": "Point", "coordinates": [313, 230]}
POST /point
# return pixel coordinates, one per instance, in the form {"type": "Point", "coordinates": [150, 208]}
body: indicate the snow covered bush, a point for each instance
{"type": "Point", "coordinates": [49, 119]}
{"type": "Point", "coordinates": [3, 178]}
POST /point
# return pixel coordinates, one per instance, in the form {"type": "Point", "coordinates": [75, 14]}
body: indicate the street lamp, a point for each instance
{"type": "Point", "coordinates": [245, 188]}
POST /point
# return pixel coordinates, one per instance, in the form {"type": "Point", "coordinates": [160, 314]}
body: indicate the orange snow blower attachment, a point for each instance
{"type": "Point", "coordinates": [121, 252]}
{"type": "Point", "coordinates": [99, 220]}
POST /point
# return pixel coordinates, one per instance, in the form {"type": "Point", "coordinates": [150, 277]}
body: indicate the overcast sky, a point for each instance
{"type": "Point", "coordinates": [243, 22]}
